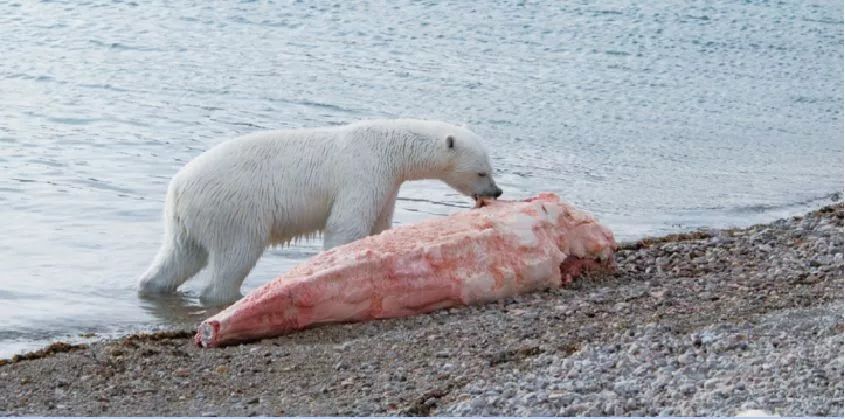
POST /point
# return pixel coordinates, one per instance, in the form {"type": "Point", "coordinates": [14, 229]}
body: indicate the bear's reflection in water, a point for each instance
{"type": "Point", "coordinates": [178, 310]}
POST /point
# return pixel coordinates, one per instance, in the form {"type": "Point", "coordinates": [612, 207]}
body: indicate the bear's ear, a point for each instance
{"type": "Point", "coordinates": [450, 142]}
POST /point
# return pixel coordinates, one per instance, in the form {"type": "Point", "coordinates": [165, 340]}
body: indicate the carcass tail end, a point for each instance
{"type": "Point", "coordinates": [207, 334]}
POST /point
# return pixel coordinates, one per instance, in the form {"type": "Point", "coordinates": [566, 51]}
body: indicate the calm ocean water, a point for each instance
{"type": "Point", "coordinates": [656, 117]}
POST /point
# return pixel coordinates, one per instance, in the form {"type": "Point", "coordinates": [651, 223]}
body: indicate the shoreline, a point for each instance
{"type": "Point", "coordinates": [686, 323]}
{"type": "Point", "coordinates": [37, 348]}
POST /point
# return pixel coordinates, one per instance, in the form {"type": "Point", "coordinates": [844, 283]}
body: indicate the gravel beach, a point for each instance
{"type": "Point", "coordinates": [709, 323]}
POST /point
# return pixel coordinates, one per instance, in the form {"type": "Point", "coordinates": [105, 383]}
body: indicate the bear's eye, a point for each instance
{"type": "Point", "coordinates": [482, 174]}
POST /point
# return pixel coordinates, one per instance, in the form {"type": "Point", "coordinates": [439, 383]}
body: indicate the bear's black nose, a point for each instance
{"type": "Point", "coordinates": [497, 193]}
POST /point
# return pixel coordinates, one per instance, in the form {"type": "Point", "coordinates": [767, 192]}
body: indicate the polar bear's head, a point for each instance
{"type": "Point", "coordinates": [425, 149]}
{"type": "Point", "coordinates": [466, 165]}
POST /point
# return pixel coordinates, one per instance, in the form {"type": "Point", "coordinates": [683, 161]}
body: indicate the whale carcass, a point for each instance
{"type": "Point", "coordinates": [499, 250]}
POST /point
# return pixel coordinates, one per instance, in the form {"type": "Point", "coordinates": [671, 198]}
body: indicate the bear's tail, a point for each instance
{"type": "Point", "coordinates": [178, 259]}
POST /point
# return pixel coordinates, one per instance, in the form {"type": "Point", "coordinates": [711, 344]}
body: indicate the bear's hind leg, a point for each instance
{"type": "Point", "coordinates": [174, 264]}
{"type": "Point", "coordinates": [229, 267]}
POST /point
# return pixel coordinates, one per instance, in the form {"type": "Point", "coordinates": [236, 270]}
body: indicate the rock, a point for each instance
{"type": "Point", "coordinates": [478, 403]}
{"type": "Point", "coordinates": [687, 389]}
{"type": "Point", "coordinates": [660, 294]}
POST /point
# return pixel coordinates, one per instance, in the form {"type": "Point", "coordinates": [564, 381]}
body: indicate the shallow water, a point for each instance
{"type": "Point", "coordinates": [657, 118]}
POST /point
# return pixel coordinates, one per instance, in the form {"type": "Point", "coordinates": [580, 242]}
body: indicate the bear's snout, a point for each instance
{"type": "Point", "coordinates": [493, 192]}
{"type": "Point", "coordinates": [497, 192]}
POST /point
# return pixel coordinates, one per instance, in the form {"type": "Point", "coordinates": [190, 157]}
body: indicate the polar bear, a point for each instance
{"type": "Point", "coordinates": [231, 202]}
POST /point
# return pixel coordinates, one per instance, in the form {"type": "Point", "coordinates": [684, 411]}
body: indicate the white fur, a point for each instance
{"type": "Point", "coordinates": [231, 202]}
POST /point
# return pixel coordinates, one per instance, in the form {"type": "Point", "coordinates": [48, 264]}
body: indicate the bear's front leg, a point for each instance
{"type": "Point", "coordinates": [385, 217]}
{"type": "Point", "coordinates": [353, 216]}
